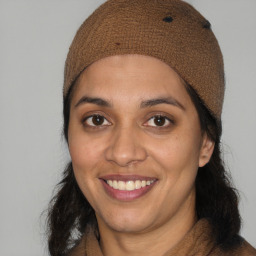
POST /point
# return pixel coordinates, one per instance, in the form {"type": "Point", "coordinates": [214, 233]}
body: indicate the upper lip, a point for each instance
{"type": "Point", "coordinates": [129, 177]}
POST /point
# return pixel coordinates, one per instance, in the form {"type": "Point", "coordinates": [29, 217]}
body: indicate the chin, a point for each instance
{"type": "Point", "coordinates": [132, 222]}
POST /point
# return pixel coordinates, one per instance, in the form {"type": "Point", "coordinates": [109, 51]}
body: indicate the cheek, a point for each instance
{"type": "Point", "coordinates": [180, 148]}
{"type": "Point", "coordinates": [81, 154]}
{"type": "Point", "coordinates": [84, 152]}
{"type": "Point", "coordinates": [178, 155]}
{"type": "Point", "coordinates": [85, 156]}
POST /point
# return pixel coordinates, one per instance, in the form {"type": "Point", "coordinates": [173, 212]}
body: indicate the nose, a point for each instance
{"type": "Point", "coordinates": [125, 148]}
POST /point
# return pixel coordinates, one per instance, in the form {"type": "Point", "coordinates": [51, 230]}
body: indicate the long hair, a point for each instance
{"type": "Point", "coordinates": [70, 214]}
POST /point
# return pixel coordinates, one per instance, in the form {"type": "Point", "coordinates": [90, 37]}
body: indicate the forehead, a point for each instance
{"type": "Point", "coordinates": [133, 76]}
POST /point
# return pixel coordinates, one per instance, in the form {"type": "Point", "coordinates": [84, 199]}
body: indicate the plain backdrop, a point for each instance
{"type": "Point", "coordinates": [34, 40]}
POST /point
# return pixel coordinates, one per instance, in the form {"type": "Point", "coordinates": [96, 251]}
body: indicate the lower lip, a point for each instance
{"type": "Point", "coordinates": [124, 195]}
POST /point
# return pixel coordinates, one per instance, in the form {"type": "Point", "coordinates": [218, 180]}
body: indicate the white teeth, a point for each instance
{"type": "Point", "coordinates": [115, 184]}
{"type": "Point", "coordinates": [129, 185]}
{"type": "Point", "coordinates": [110, 183]}
{"type": "Point", "coordinates": [121, 185]}
{"type": "Point", "coordinates": [137, 184]}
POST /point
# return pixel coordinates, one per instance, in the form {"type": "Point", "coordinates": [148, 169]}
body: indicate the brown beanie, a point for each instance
{"type": "Point", "coordinates": [170, 30]}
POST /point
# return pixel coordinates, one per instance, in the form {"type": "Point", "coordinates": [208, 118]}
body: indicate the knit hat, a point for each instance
{"type": "Point", "coordinates": [170, 30]}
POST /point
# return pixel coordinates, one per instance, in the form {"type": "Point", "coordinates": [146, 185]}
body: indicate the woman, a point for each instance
{"type": "Point", "coordinates": [143, 95]}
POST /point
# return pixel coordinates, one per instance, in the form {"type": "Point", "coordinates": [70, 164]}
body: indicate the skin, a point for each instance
{"type": "Point", "coordinates": [129, 142]}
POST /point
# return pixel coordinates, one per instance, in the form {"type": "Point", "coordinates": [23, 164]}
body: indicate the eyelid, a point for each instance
{"type": "Point", "coordinates": [167, 118]}
{"type": "Point", "coordinates": [85, 118]}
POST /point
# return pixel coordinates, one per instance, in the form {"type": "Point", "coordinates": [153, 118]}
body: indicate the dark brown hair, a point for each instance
{"type": "Point", "coordinates": [70, 214]}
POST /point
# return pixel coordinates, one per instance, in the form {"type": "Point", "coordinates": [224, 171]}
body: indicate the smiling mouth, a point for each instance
{"type": "Point", "coordinates": [127, 187]}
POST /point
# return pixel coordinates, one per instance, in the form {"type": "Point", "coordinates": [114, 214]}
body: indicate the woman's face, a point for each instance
{"type": "Point", "coordinates": [135, 143]}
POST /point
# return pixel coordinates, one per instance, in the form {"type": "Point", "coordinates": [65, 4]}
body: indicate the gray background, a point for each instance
{"type": "Point", "coordinates": [34, 40]}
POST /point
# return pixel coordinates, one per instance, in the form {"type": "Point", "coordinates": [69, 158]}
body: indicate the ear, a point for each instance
{"type": "Point", "coordinates": [206, 151]}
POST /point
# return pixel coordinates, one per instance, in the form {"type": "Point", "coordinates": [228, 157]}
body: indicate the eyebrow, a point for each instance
{"type": "Point", "coordinates": [144, 104]}
{"type": "Point", "coordinates": [96, 101]}
{"type": "Point", "coordinates": [157, 101]}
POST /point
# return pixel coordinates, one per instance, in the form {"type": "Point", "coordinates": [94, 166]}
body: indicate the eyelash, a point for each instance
{"type": "Point", "coordinates": [165, 119]}
{"type": "Point", "coordinates": [151, 119]}
{"type": "Point", "coordinates": [85, 120]}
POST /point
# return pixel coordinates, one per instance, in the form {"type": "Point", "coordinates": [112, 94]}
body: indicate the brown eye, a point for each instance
{"type": "Point", "coordinates": [159, 121]}
{"type": "Point", "coordinates": [96, 120]}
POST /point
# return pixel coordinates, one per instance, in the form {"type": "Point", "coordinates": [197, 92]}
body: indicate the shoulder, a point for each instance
{"type": "Point", "coordinates": [244, 249]}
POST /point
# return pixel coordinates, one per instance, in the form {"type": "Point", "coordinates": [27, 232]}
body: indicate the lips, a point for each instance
{"type": "Point", "coordinates": [127, 187]}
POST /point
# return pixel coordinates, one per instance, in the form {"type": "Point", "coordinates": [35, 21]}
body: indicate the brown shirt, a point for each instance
{"type": "Point", "coordinates": [198, 242]}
